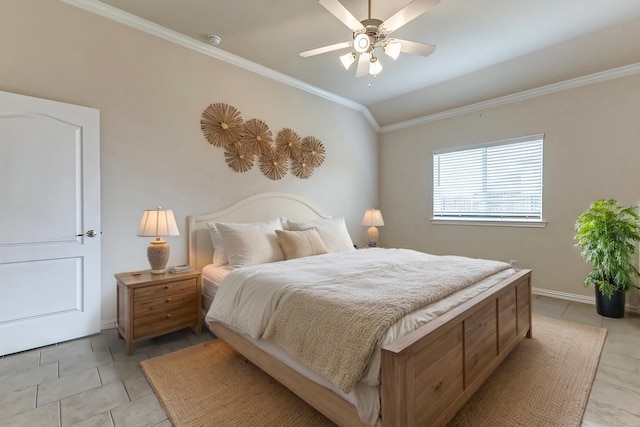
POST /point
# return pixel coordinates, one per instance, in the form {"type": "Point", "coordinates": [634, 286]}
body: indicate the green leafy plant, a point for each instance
{"type": "Point", "coordinates": [607, 234]}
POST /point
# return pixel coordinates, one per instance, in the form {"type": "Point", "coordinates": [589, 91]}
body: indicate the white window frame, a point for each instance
{"type": "Point", "coordinates": [460, 219]}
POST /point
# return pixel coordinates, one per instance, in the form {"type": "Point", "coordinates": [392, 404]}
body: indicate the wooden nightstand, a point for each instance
{"type": "Point", "coordinates": [150, 305]}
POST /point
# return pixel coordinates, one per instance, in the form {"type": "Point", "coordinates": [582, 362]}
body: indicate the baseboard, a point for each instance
{"type": "Point", "coordinates": [107, 324]}
{"type": "Point", "coordinates": [574, 297]}
{"type": "Point", "coordinates": [563, 295]}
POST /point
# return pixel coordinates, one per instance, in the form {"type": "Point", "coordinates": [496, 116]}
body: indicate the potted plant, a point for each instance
{"type": "Point", "coordinates": [607, 234]}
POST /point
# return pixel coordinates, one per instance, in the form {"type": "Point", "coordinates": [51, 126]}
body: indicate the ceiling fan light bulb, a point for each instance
{"type": "Point", "coordinates": [393, 49]}
{"type": "Point", "coordinates": [362, 43]}
{"type": "Point", "coordinates": [347, 59]}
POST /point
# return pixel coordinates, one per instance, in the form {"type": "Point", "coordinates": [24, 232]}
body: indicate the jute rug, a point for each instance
{"type": "Point", "coordinates": [544, 382]}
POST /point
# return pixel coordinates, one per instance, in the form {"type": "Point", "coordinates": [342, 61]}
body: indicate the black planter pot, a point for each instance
{"type": "Point", "coordinates": [610, 307]}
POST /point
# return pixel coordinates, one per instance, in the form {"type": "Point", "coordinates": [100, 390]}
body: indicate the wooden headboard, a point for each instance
{"type": "Point", "coordinates": [261, 207]}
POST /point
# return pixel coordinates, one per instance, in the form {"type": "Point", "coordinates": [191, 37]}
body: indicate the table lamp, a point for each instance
{"type": "Point", "coordinates": [373, 219]}
{"type": "Point", "coordinates": [157, 223]}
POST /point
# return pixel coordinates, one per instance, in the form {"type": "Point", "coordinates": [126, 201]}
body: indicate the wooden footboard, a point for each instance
{"type": "Point", "coordinates": [428, 375]}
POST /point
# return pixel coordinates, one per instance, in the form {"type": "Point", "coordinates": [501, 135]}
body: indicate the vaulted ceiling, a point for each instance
{"type": "Point", "coordinates": [485, 49]}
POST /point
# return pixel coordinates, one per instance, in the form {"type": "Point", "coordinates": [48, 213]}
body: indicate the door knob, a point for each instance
{"type": "Point", "coordinates": [90, 233]}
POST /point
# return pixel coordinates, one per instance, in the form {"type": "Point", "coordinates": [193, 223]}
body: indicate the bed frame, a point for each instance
{"type": "Point", "coordinates": [427, 375]}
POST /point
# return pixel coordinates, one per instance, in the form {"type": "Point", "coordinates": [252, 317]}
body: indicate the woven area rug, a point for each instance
{"type": "Point", "coordinates": [544, 382]}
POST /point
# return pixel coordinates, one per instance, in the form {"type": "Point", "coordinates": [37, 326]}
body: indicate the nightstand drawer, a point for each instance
{"type": "Point", "coordinates": [152, 325]}
{"type": "Point", "coordinates": [164, 289]}
{"type": "Point", "coordinates": [165, 304]}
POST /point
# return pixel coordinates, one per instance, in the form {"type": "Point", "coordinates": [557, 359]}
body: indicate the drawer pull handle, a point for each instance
{"type": "Point", "coordinates": [168, 316]}
{"type": "Point", "coordinates": [166, 287]}
{"type": "Point", "coordinates": [168, 299]}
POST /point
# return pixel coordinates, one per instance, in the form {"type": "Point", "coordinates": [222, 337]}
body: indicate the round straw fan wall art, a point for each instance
{"type": "Point", "coordinates": [246, 143]}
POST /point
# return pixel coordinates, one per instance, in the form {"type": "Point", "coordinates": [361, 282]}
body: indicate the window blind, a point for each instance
{"type": "Point", "coordinates": [498, 181]}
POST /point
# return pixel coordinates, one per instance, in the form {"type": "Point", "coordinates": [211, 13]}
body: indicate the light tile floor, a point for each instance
{"type": "Point", "coordinates": [92, 382]}
{"type": "Point", "coordinates": [86, 382]}
{"type": "Point", "coordinates": [615, 395]}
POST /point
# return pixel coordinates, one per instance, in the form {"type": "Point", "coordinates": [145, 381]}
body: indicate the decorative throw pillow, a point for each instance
{"type": "Point", "coordinates": [332, 231]}
{"type": "Point", "coordinates": [298, 244]}
{"type": "Point", "coordinates": [251, 243]}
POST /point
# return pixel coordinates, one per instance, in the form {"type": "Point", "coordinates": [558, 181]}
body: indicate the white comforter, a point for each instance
{"type": "Point", "coordinates": [249, 308]}
{"type": "Point", "coordinates": [248, 297]}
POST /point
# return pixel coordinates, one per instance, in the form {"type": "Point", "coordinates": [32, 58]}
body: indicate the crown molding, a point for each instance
{"type": "Point", "coordinates": [602, 76]}
{"type": "Point", "coordinates": [149, 27]}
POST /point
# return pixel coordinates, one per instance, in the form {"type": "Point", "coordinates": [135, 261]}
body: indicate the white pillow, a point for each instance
{"type": "Point", "coordinates": [251, 243]}
{"type": "Point", "coordinates": [219, 255]}
{"type": "Point", "coordinates": [332, 231]}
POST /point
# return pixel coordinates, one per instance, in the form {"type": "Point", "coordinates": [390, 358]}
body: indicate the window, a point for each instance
{"type": "Point", "coordinates": [499, 181]}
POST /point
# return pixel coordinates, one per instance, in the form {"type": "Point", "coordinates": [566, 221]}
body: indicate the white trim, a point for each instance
{"type": "Point", "coordinates": [118, 15]}
{"type": "Point", "coordinates": [577, 298]}
{"type": "Point", "coordinates": [563, 295]}
{"type": "Point", "coordinates": [506, 141]}
{"type": "Point", "coordinates": [602, 76]}
{"type": "Point", "coordinates": [108, 324]}
{"type": "Point", "coordinates": [488, 223]}
{"type": "Point", "coordinates": [152, 28]}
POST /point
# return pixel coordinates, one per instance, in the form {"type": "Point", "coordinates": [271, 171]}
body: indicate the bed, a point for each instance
{"type": "Point", "coordinates": [426, 375]}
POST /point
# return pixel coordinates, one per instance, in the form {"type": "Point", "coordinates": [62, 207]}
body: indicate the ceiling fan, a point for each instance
{"type": "Point", "coordinates": [371, 34]}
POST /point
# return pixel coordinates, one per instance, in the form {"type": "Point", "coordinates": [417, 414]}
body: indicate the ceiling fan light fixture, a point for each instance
{"type": "Point", "coordinates": [347, 59]}
{"type": "Point", "coordinates": [362, 42]}
{"type": "Point", "coordinates": [393, 48]}
{"type": "Point", "coordinates": [374, 66]}
{"type": "Point", "coordinates": [372, 33]}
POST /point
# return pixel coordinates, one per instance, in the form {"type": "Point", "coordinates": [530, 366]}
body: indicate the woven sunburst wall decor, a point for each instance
{"type": "Point", "coordinates": [239, 157]}
{"type": "Point", "coordinates": [221, 124]}
{"type": "Point", "coordinates": [243, 141]}
{"type": "Point", "coordinates": [289, 142]}
{"type": "Point", "coordinates": [274, 163]}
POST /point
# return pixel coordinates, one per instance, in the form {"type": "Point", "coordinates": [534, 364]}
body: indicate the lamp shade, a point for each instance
{"type": "Point", "coordinates": [372, 218]}
{"type": "Point", "coordinates": [374, 66]}
{"type": "Point", "coordinates": [393, 49]}
{"type": "Point", "coordinates": [158, 222]}
{"type": "Point", "coordinates": [347, 59]}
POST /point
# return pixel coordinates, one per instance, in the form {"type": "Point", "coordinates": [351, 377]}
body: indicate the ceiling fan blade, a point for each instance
{"type": "Point", "coordinates": [415, 48]}
{"type": "Point", "coordinates": [325, 49]}
{"type": "Point", "coordinates": [363, 65]}
{"type": "Point", "coordinates": [408, 13]}
{"type": "Point", "coordinates": [339, 11]}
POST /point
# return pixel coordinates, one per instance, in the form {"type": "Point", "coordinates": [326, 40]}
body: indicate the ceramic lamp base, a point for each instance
{"type": "Point", "coordinates": [373, 234]}
{"type": "Point", "coordinates": [158, 255]}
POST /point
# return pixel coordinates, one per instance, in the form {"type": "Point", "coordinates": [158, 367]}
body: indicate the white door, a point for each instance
{"type": "Point", "coordinates": [49, 209]}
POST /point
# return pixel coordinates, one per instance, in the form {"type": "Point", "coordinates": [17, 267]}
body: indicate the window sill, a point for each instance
{"type": "Point", "coordinates": [489, 223]}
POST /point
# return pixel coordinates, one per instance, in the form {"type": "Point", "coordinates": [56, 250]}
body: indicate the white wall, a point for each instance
{"type": "Point", "coordinates": [151, 94]}
{"type": "Point", "coordinates": [591, 151]}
